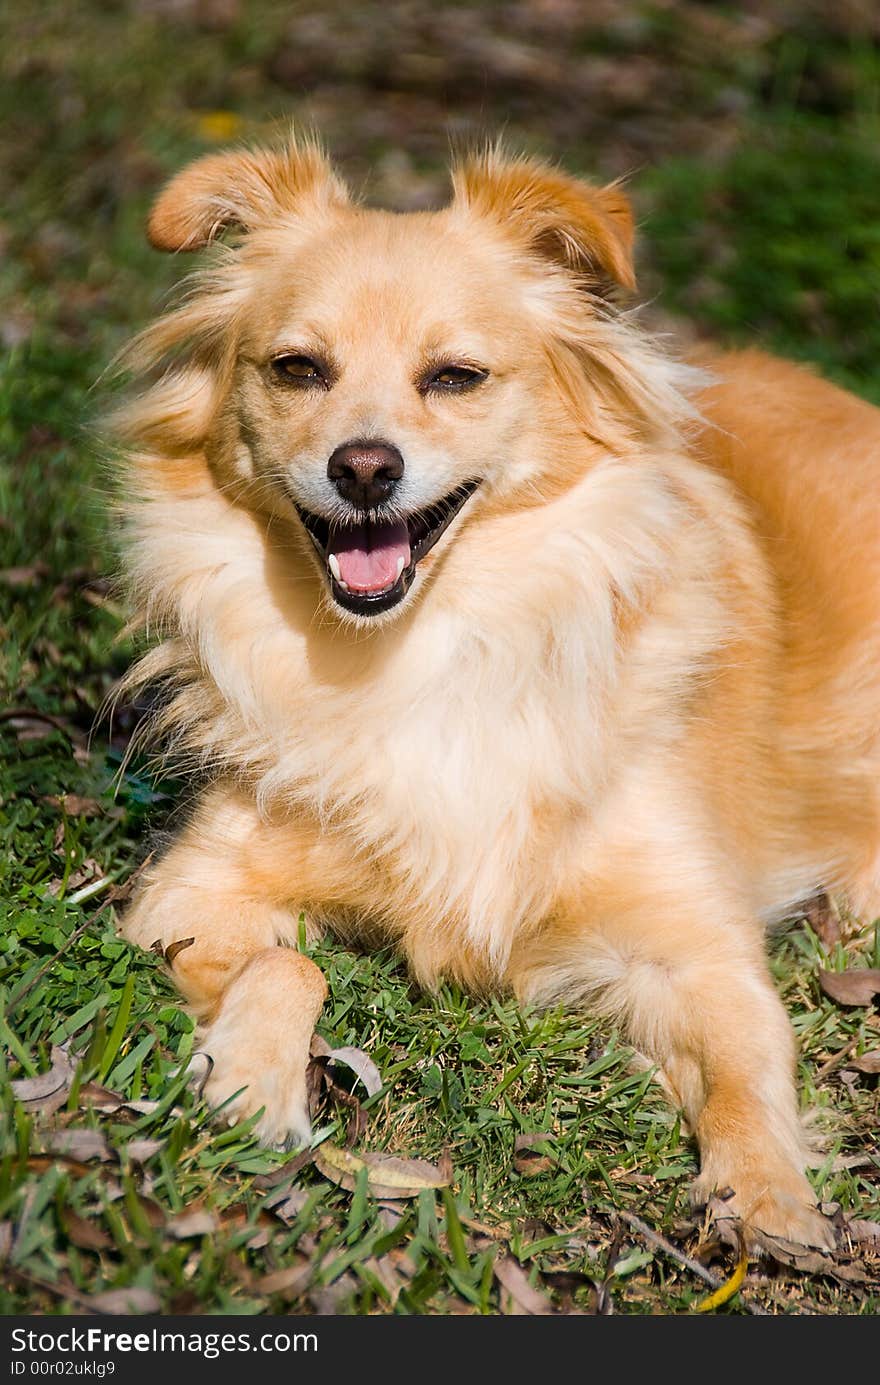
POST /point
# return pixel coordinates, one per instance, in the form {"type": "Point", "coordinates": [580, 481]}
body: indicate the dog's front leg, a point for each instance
{"type": "Point", "coordinates": [688, 981]}
{"type": "Point", "coordinates": [224, 905]}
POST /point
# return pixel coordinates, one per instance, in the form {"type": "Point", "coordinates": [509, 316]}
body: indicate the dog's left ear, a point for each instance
{"type": "Point", "coordinates": [555, 217]}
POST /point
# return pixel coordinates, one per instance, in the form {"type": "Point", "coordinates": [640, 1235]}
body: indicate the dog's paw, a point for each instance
{"type": "Point", "coordinates": [259, 1046]}
{"type": "Point", "coordinates": [252, 1073]}
{"type": "Point", "coordinates": [778, 1206]}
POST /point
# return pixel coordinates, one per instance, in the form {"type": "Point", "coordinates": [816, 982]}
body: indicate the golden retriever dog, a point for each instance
{"type": "Point", "coordinates": [500, 634]}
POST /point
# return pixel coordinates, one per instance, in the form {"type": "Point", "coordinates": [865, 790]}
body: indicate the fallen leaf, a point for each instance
{"type": "Point", "coordinates": [191, 1223]}
{"type": "Point", "coordinates": [388, 1275]}
{"type": "Point", "coordinates": [74, 805]}
{"type": "Point", "coordinates": [152, 1213]}
{"type": "Point", "coordinates": [139, 1151]}
{"type": "Point", "coordinates": [822, 917]}
{"type": "Point", "coordinates": [93, 1094]}
{"type": "Point", "coordinates": [866, 1062]}
{"type": "Point", "coordinates": [123, 1301]}
{"type": "Point", "coordinates": [512, 1277]}
{"type": "Point", "coordinates": [863, 1232]}
{"type": "Point", "coordinates": [355, 1058]}
{"type": "Point", "coordinates": [85, 874]}
{"type": "Point", "coordinates": [218, 127]}
{"type": "Point", "coordinates": [289, 1282]}
{"type": "Point", "coordinates": [257, 1232]}
{"type": "Point", "coordinates": [48, 1091]}
{"type": "Point", "coordinates": [388, 1176]}
{"type": "Point", "coordinates": [79, 1144]}
{"type": "Point", "coordinates": [842, 1161]}
{"type": "Point", "coordinates": [85, 1234]}
{"type": "Point", "coordinates": [790, 1254]}
{"type": "Point", "coordinates": [858, 986]}
{"type": "Point", "coordinates": [808, 1261]}
{"type": "Point", "coordinates": [287, 1204]}
{"type": "Point", "coordinates": [321, 1083]}
{"type": "Point", "coordinates": [527, 1159]}
{"type": "Point", "coordinates": [331, 1300]}
{"type": "Point", "coordinates": [26, 576]}
{"type": "Point", "coordinates": [286, 1172]}
{"type": "Point", "coordinates": [40, 1163]}
{"type": "Point", "coordinates": [29, 724]}
{"type": "Point", "coordinates": [725, 1291]}
{"type": "Point", "coordinates": [199, 1067]}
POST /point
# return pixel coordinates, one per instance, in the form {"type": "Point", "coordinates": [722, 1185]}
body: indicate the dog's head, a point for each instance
{"type": "Point", "coordinates": [377, 379]}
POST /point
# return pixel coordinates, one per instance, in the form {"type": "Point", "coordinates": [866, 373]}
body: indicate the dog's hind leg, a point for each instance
{"type": "Point", "coordinates": [218, 904]}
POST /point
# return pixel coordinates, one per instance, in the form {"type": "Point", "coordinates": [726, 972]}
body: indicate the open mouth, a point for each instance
{"type": "Point", "coordinates": [370, 564]}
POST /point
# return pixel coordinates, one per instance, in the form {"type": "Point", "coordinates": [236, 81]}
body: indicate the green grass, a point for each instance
{"type": "Point", "coordinates": [775, 238]}
{"type": "Point", "coordinates": [779, 246]}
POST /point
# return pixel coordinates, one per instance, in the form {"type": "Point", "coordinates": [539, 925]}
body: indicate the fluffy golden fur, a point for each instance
{"type": "Point", "coordinates": [628, 710]}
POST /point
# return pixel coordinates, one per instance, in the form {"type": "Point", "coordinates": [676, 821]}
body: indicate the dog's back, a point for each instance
{"type": "Point", "coordinates": [806, 457]}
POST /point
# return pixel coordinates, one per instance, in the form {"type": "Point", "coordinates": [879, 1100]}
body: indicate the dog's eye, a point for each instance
{"type": "Point", "coordinates": [299, 370]}
{"type": "Point", "coordinates": [450, 378]}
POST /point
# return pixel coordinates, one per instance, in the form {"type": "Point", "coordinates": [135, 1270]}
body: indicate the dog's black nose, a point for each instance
{"type": "Point", "coordinates": [365, 473]}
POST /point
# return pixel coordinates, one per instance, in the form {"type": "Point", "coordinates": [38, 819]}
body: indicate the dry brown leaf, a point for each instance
{"type": "Point", "coordinates": [359, 1062]}
{"type": "Point", "coordinates": [143, 1107]}
{"type": "Point", "coordinates": [857, 986]}
{"type": "Point", "coordinates": [151, 1211]}
{"type": "Point", "coordinates": [199, 1069]}
{"type": "Point", "coordinates": [807, 1261]}
{"type": "Point", "coordinates": [26, 576]}
{"type": "Point", "coordinates": [123, 1301]}
{"type": "Point", "coordinates": [321, 1083]}
{"type": "Point", "coordinates": [527, 1299]}
{"type": "Point", "coordinates": [239, 1218]}
{"type": "Point", "coordinates": [388, 1175]}
{"type": "Point", "coordinates": [289, 1282]}
{"type": "Point", "coordinates": [790, 1254]}
{"type": "Point", "coordinates": [39, 1163]}
{"type": "Point", "coordinates": [866, 1062]}
{"type": "Point", "coordinates": [197, 1222]}
{"type": "Point", "coordinates": [388, 1275]}
{"type": "Point", "coordinates": [286, 1172]}
{"type": "Point", "coordinates": [139, 1151]}
{"type": "Point", "coordinates": [48, 1091]}
{"type": "Point", "coordinates": [823, 918]}
{"type": "Point", "coordinates": [331, 1300]}
{"type": "Point", "coordinates": [93, 1094]}
{"type": "Point", "coordinates": [286, 1203]}
{"type": "Point", "coordinates": [74, 805]}
{"type": "Point", "coordinates": [79, 1144]}
{"type": "Point", "coordinates": [527, 1159]}
{"type": "Point", "coordinates": [88, 873]}
{"type": "Point", "coordinates": [85, 1234]}
{"type": "Point", "coordinates": [863, 1232]}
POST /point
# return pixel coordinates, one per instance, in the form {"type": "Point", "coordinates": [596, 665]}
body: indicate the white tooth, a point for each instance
{"type": "Point", "coordinates": [333, 564]}
{"type": "Point", "coordinates": [399, 568]}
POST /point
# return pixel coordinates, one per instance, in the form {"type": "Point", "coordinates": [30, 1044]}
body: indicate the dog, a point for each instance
{"type": "Point", "coordinates": [500, 634]}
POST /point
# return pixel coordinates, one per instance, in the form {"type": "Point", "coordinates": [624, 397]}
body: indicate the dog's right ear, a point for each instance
{"type": "Point", "coordinates": [243, 188]}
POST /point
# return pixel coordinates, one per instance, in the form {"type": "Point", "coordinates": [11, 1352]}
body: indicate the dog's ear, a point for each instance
{"type": "Point", "coordinates": [585, 228]}
{"type": "Point", "coordinates": [243, 188]}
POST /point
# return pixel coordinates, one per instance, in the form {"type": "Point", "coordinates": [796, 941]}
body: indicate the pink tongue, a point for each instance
{"type": "Point", "coordinates": [368, 554]}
